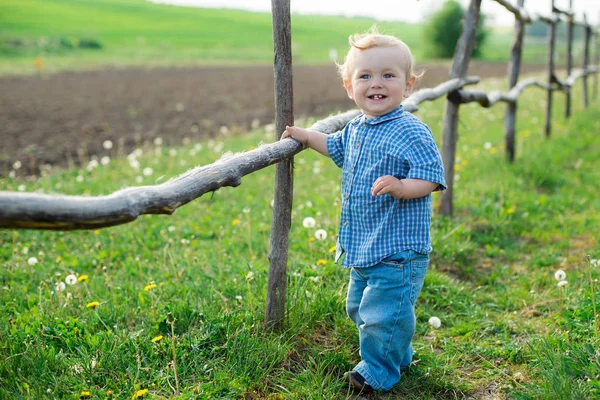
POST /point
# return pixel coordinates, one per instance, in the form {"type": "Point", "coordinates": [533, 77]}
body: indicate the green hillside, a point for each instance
{"type": "Point", "coordinates": [77, 32]}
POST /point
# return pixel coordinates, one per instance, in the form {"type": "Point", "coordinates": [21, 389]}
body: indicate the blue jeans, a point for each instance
{"type": "Point", "coordinates": [381, 303]}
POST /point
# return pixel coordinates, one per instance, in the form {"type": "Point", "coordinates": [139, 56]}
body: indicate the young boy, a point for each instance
{"type": "Point", "coordinates": [390, 165]}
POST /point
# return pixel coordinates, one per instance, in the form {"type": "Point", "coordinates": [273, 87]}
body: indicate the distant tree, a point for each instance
{"type": "Point", "coordinates": [444, 27]}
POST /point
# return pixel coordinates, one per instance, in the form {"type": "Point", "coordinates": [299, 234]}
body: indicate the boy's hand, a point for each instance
{"type": "Point", "coordinates": [301, 135]}
{"type": "Point", "coordinates": [388, 184]}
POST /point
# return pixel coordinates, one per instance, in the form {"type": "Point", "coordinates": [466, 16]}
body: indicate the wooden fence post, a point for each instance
{"type": "Point", "coordinates": [460, 66]}
{"type": "Point", "coordinates": [596, 61]}
{"type": "Point", "coordinates": [551, 46]}
{"type": "Point", "coordinates": [586, 59]}
{"type": "Point", "coordinates": [570, 28]}
{"type": "Point", "coordinates": [282, 206]}
{"type": "Point", "coordinates": [513, 78]}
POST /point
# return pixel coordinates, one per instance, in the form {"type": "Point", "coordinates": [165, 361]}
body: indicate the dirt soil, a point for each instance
{"type": "Point", "coordinates": [63, 119]}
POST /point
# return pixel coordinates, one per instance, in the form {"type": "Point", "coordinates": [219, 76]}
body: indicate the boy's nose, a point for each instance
{"type": "Point", "coordinates": [376, 82]}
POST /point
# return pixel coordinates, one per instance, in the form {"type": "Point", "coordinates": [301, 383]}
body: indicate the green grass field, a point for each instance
{"type": "Point", "coordinates": [78, 34]}
{"type": "Point", "coordinates": [175, 304]}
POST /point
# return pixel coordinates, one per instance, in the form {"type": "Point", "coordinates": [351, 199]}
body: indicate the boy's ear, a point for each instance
{"type": "Point", "coordinates": [410, 85]}
{"type": "Point", "coordinates": [348, 87]}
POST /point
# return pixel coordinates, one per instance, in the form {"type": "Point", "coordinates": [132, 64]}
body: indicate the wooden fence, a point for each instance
{"type": "Point", "coordinates": [58, 212]}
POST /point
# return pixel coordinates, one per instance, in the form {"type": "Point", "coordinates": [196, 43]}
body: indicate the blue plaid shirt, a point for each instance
{"type": "Point", "coordinates": [374, 228]}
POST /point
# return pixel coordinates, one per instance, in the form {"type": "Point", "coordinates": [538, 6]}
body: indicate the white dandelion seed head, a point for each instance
{"type": "Point", "coordinates": [139, 179]}
{"type": "Point", "coordinates": [71, 279]}
{"type": "Point", "coordinates": [314, 279]}
{"type": "Point", "coordinates": [105, 160]}
{"type": "Point", "coordinates": [17, 164]}
{"type": "Point", "coordinates": [92, 164]}
{"type": "Point", "coordinates": [321, 234]}
{"type": "Point", "coordinates": [198, 146]}
{"type": "Point", "coordinates": [172, 152]}
{"type": "Point", "coordinates": [595, 263]}
{"type": "Point", "coordinates": [107, 144]}
{"type": "Point", "coordinates": [79, 178]}
{"type": "Point", "coordinates": [435, 322]}
{"type": "Point", "coordinates": [239, 298]}
{"type": "Point", "coordinates": [59, 286]}
{"type": "Point", "coordinates": [21, 188]}
{"type": "Point", "coordinates": [246, 210]}
{"type": "Point", "coordinates": [135, 164]}
{"type": "Point", "coordinates": [158, 141]}
{"type": "Point", "coordinates": [560, 275]}
{"type": "Point", "coordinates": [171, 228]}
{"type": "Point", "coordinates": [255, 123]}
{"type": "Point", "coordinates": [224, 130]}
{"type": "Point", "coordinates": [147, 171]}
{"type": "Point", "coordinates": [309, 222]}
{"type": "Point", "coordinates": [12, 174]}
{"type": "Point", "coordinates": [25, 250]}
{"type": "Point", "coordinates": [316, 170]}
{"type": "Point", "coordinates": [32, 261]}
{"type": "Point", "coordinates": [562, 284]}
{"type": "Point", "coordinates": [488, 145]}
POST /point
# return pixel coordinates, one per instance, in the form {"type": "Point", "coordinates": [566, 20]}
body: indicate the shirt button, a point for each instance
{"type": "Point", "coordinates": [345, 223]}
{"type": "Point", "coordinates": [357, 144]}
{"type": "Point", "coordinates": [347, 196]}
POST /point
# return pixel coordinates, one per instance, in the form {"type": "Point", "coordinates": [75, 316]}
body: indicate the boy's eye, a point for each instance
{"type": "Point", "coordinates": [364, 76]}
{"type": "Point", "coordinates": [388, 76]}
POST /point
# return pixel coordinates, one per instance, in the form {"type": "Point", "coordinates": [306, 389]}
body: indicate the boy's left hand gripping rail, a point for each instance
{"type": "Point", "coordinates": [60, 212]}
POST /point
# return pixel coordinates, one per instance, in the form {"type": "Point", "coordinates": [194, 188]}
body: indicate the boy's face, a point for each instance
{"type": "Point", "coordinates": [378, 82]}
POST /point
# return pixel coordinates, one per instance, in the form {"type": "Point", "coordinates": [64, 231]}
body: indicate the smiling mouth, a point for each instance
{"type": "Point", "coordinates": [377, 97]}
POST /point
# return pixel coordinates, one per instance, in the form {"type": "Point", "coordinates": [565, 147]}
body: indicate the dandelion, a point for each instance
{"type": "Point", "coordinates": [83, 278]}
{"type": "Point", "coordinates": [105, 160]}
{"type": "Point", "coordinates": [59, 286]}
{"type": "Point", "coordinates": [149, 287]}
{"type": "Point", "coordinates": [235, 222]}
{"type": "Point", "coordinates": [107, 144]}
{"type": "Point", "coordinates": [321, 234]}
{"type": "Point", "coordinates": [249, 276]}
{"type": "Point", "coordinates": [309, 222]}
{"type": "Point", "coordinates": [239, 298]}
{"type": "Point", "coordinates": [171, 228]}
{"type": "Point", "coordinates": [435, 322]}
{"type": "Point", "coordinates": [79, 178]}
{"type": "Point", "coordinates": [25, 250]}
{"type": "Point", "coordinates": [32, 261]}
{"type": "Point", "coordinates": [71, 279]}
{"type": "Point", "coordinates": [92, 305]}
{"type": "Point", "coordinates": [321, 262]}
{"type": "Point", "coordinates": [157, 339]}
{"type": "Point", "coordinates": [488, 145]}
{"type": "Point", "coordinates": [562, 284]}
{"type": "Point", "coordinates": [310, 240]}
{"type": "Point", "coordinates": [58, 259]}
{"type": "Point", "coordinates": [510, 211]}
{"type": "Point", "coordinates": [179, 107]}
{"type": "Point", "coordinates": [97, 232]}
{"type": "Point", "coordinates": [332, 249]}
{"type": "Point", "coordinates": [246, 210]}
{"type": "Point", "coordinates": [560, 275]}
{"type": "Point", "coordinates": [17, 165]}
{"type": "Point", "coordinates": [147, 171]}
{"type": "Point", "coordinates": [158, 141]}
{"type": "Point", "coordinates": [493, 150]}
{"type": "Point", "coordinates": [21, 188]}
{"type": "Point", "coordinates": [594, 263]}
{"type": "Point", "coordinates": [316, 170]}
{"type": "Point", "coordinates": [172, 152]}
{"type": "Point", "coordinates": [315, 279]}
{"type": "Point", "coordinates": [92, 164]}
{"type": "Point", "coordinates": [85, 395]}
{"type": "Point", "coordinates": [140, 393]}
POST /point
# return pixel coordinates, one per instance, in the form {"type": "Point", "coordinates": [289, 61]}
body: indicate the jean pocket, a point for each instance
{"type": "Point", "coordinates": [418, 269]}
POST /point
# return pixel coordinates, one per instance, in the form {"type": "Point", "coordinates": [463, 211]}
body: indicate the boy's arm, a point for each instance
{"type": "Point", "coordinates": [314, 139]}
{"type": "Point", "coordinates": [409, 188]}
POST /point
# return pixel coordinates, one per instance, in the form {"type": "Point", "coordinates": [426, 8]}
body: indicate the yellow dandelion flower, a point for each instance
{"type": "Point", "coordinates": [83, 278]}
{"type": "Point", "coordinates": [150, 286]}
{"type": "Point", "coordinates": [235, 222]}
{"type": "Point", "coordinates": [140, 393]}
{"type": "Point", "coordinates": [332, 249]}
{"type": "Point", "coordinates": [97, 232]}
{"type": "Point", "coordinates": [85, 395]}
{"type": "Point", "coordinates": [93, 304]}
{"type": "Point", "coordinates": [464, 163]}
{"type": "Point", "coordinates": [321, 262]}
{"type": "Point", "coordinates": [456, 167]}
{"type": "Point", "coordinates": [157, 339]}
{"type": "Point", "coordinates": [312, 239]}
{"type": "Point", "coordinates": [493, 150]}
{"type": "Point", "coordinates": [58, 259]}
{"type": "Point", "coordinates": [510, 210]}
{"type": "Point", "coordinates": [39, 63]}
{"type": "Point", "coordinates": [109, 393]}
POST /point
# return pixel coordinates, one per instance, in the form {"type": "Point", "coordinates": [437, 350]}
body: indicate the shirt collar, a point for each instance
{"type": "Point", "coordinates": [394, 114]}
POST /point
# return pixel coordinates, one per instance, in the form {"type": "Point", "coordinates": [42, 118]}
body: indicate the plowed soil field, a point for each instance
{"type": "Point", "coordinates": [63, 119]}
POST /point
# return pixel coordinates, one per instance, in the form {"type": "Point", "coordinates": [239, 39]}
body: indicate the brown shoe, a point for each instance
{"type": "Point", "coordinates": [358, 383]}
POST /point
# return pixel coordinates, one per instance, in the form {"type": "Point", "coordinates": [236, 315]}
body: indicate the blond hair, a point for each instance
{"type": "Point", "coordinates": [364, 41]}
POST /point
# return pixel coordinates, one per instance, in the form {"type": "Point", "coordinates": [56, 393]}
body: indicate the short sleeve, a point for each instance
{"type": "Point", "coordinates": [425, 163]}
{"type": "Point", "coordinates": [335, 147]}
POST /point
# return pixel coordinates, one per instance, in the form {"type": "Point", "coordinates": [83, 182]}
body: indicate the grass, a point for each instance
{"type": "Point", "coordinates": [181, 299]}
{"type": "Point", "coordinates": [75, 34]}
